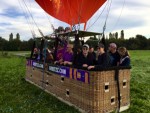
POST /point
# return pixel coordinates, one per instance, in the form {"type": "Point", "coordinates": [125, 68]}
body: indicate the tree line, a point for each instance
{"type": "Point", "coordinates": [15, 44]}
{"type": "Point", "coordinates": [138, 42]}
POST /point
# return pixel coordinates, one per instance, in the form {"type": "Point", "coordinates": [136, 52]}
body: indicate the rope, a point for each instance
{"type": "Point", "coordinates": [97, 17]}
{"type": "Point", "coordinates": [30, 14]}
{"type": "Point", "coordinates": [48, 18]}
{"type": "Point", "coordinates": [28, 21]}
{"type": "Point", "coordinates": [33, 19]}
{"type": "Point", "coordinates": [120, 14]}
{"type": "Point", "coordinates": [93, 6]}
{"type": "Point", "coordinates": [104, 27]}
{"type": "Point", "coordinates": [70, 12]}
{"type": "Point", "coordinates": [107, 14]}
{"type": "Point", "coordinates": [79, 15]}
{"type": "Point", "coordinates": [118, 89]}
{"type": "Point", "coordinates": [44, 61]}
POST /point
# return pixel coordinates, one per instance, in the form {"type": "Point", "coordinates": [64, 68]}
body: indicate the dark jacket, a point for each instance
{"type": "Point", "coordinates": [114, 58]}
{"type": "Point", "coordinates": [103, 60]}
{"type": "Point", "coordinates": [124, 61]}
{"type": "Point", "coordinates": [89, 60]}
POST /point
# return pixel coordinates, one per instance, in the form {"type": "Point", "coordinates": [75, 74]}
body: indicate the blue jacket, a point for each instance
{"type": "Point", "coordinates": [125, 61]}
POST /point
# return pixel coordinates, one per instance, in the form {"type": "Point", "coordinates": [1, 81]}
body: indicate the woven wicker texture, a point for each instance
{"type": "Point", "coordinates": [99, 96]}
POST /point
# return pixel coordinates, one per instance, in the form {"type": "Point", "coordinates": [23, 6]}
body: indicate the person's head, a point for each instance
{"type": "Point", "coordinates": [85, 49]}
{"type": "Point", "coordinates": [60, 29]}
{"type": "Point", "coordinates": [60, 45]}
{"type": "Point", "coordinates": [69, 47]}
{"type": "Point", "coordinates": [35, 50]}
{"type": "Point", "coordinates": [112, 47]}
{"type": "Point", "coordinates": [91, 49]}
{"type": "Point", "coordinates": [67, 29]}
{"type": "Point", "coordinates": [79, 49]}
{"type": "Point", "coordinates": [53, 49]}
{"type": "Point", "coordinates": [100, 48]}
{"type": "Point", "coordinates": [122, 51]}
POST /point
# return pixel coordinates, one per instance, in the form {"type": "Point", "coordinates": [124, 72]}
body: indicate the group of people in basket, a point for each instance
{"type": "Point", "coordinates": [86, 57]}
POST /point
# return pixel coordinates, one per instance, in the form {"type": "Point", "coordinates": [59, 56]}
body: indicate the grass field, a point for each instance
{"type": "Point", "coordinates": [19, 96]}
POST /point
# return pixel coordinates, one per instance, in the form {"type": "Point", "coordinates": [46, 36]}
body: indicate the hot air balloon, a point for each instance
{"type": "Point", "coordinates": [71, 11]}
{"type": "Point", "coordinates": [100, 90]}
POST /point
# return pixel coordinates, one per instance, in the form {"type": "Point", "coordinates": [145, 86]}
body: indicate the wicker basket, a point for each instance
{"type": "Point", "coordinates": [97, 94]}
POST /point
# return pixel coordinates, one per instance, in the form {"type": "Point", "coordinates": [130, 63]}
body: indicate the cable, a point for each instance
{"type": "Point", "coordinates": [79, 15]}
{"type": "Point", "coordinates": [48, 18]}
{"type": "Point", "coordinates": [92, 9]}
{"type": "Point", "coordinates": [28, 21]}
{"type": "Point", "coordinates": [69, 10]}
{"type": "Point", "coordinates": [30, 14]}
{"type": "Point", "coordinates": [119, 15]}
{"type": "Point", "coordinates": [108, 10]}
{"type": "Point", "coordinates": [97, 17]}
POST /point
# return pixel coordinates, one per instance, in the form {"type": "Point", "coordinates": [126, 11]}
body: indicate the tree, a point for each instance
{"type": "Point", "coordinates": [110, 36]}
{"type": "Point", "coordinates": [142, 41]}
{"type": "Point", "coordinates": [92, 41]}
{"type": "Point", "coordinates": [1, 43]}
{"type": "Point", "coordinates": [113, 35]}
{"type": "Point", "coordinates": [116, 35]}
{"type": "Point", "coordinates": [17, 36]}
{"type": "Point", "coordinates": [122, 34]}
{"type": "Point", "coordinates": [11, 37]}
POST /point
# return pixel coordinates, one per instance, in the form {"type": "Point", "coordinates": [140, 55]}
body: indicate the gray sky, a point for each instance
{"type": "Point", "coordinates": [132, 16]}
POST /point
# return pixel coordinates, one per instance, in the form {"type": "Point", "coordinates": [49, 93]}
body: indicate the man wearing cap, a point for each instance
{"type": "Point", "coordinates": [85, 58]}
{"type": "Point", "coordinates": [114, 55]}
{"type": "Point", "coordinates": [103, 58]}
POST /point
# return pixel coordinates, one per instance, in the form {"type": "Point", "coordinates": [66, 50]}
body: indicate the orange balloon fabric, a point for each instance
{"type": "Point", "coordinates": [71, 11]}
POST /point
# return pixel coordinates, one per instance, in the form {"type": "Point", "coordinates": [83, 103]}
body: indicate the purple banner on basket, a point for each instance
{"type": "Point", "coordinates": [37, 64]}
{"type": "Point", "coordinates": [82, 75]}
{"type": "Point", "coordinates": [72, 73]}
{"type": "Point", "coordinates": [64, 71]}
{"type": "Point", "coordinates": [29, 62]}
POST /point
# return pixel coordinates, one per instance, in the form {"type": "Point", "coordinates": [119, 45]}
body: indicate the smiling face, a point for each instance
{"type": "Point", "coordinates": [112, 47]}
{"type": "Point", "coordinates": [35, 50]}
{"type": "Point", "coordinates": [91, 49]}
{"type": "Point", "coordinates": [100, 50]}
{"type": "Point", "coordinates": [69, 48]}
{"type": "Point", "coordinates": [122, 51]}
{"type": "Point", "coordinates": [85, 51]}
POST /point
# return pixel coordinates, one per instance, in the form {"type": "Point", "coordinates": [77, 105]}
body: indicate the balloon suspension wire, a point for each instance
{"type": "Point", "coordinates": [97, 17]}
{"type": "Point", "coordinates": [123, 5]}
{"type": "Point", "coordinates": [33, 19]}
{"type": "Point", "coordinates": [104, 27]}
{"type": "Point", "coordinates": [79, 14]}
{"type": "Point", "coordinates": [28, 20]}
{"type": "Point", "coordinates": [48, 17]}
{"type": "Point", "coordinates": [70, 13]}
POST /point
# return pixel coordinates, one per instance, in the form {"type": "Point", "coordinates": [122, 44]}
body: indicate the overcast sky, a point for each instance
{"type": "Point", "coordinates": [132, 16]}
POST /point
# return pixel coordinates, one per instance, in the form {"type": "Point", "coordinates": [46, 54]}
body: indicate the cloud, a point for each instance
{"type": "Point", "coordinates": [130, 16]}
{"type": "Point", "coordinates": [11, 12]}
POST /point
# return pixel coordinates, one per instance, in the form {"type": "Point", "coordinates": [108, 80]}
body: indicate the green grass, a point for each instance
{"type": "Point", "coordinates": [19, 96]}
{"type": "Point", "coordinates": [140, 82]}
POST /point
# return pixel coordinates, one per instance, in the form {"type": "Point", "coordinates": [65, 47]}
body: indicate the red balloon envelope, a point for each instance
{"type": "Point", "coordinates": [71, 11]}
